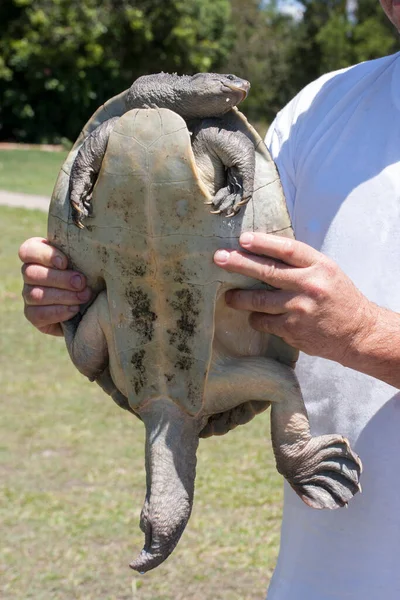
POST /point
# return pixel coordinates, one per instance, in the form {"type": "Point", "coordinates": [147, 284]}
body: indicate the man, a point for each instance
{"type": "Point", "coordinates": [337, 148]}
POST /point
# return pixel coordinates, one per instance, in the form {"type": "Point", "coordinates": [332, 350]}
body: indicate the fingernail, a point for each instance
{"type": "Point", "coordinates": [246, 239]}
{"type": "Point", "coordinates": [76, 281]}
{"type": "Point", "coordinates": [58, 262]}
{"type": "Point", "coordinates": [228, 296]}
{"type": "Point", "coordinates": [221, 256]}
{"type": "Point", "coordinates": [73, 309]}
{"type": "Point", "coordinates": [84, 295]}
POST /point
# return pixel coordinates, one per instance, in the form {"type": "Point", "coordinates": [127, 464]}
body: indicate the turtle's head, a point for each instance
{"type": "Point", "coordinates": [213, 94]}
{"type": "Point", "coordinates": [191, 96]}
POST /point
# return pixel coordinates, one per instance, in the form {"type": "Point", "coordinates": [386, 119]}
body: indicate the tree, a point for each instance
{"type": "Point", "coordinates": [59, 59]}
{"type": "Point", "coordinates": [331, 38]}
{"type": "Point", "coordinates": [374, 35]}
{"type": "Point", "coordinates": [263, 42]}
{"type": "Point", "coordinates": [324, 40]}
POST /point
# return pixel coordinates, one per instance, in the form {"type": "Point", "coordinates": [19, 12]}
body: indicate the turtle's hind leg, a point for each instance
{"type": "Point", "coordinates": [323, 470]}
{"type": "Point", "coordinates": [86, 168]}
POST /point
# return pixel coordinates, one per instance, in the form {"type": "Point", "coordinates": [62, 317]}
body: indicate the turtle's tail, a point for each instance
{"type": "Point", "coordinates": [171, 443]}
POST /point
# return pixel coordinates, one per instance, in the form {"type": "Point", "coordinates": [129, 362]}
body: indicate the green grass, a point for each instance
{"type": "Point", "coordinates": [30, 171]}
{"type": "Point", "coordinates": [73, 482]}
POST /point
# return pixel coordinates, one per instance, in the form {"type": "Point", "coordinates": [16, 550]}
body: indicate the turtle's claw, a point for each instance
{"type": "Point", "coordinates": [231, 198]}
{"type": "Point", "coordinates": [79, 224]}
{"type": "Point", "coordinates": [81, 209]}
{"type": "Point", "coordinates": [243, 201]}
{"type": "Point", "coordinates": [77, 213]}
{"type": "Point", "coordinates": [226, 202]}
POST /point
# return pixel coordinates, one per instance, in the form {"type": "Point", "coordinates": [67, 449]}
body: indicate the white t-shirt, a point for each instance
{"type": "Point", "coordinates": [337, 148]}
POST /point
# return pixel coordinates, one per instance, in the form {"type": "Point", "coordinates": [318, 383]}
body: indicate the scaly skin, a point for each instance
{"type": "Point", "coordinates": [194, 98]}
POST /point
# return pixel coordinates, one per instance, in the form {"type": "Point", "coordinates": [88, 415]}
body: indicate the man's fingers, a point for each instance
{"type": "Point", "coordinates": [52, 294]}
{"type": "Point", "coordinates": [263, 301]}
{"type": "Point", "coordinates": [36, 295]}
{"type": "Point", "coordinates": [43, 316]}
{"type": "Point", "coordinates": [35, 274]}
{"type": "Point", "coordinates": [264, 269]}
{"type": "Point", "coordinates": [37, 250]}
{"type": "Point", "coordinates": [287, 250]}
{"type": "Point", "coordinates": [273, 324]}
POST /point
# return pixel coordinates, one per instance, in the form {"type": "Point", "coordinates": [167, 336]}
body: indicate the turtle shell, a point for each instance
{"type": "Point", "coordinates": [150, 243]}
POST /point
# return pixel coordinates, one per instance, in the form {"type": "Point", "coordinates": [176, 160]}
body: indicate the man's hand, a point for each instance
{"type": "Point", "coordinates": [316, 307]}
{"type": "Point", "coordinates": [51, 293]}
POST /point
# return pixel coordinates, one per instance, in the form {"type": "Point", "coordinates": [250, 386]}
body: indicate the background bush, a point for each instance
{"type": "Point", "coordinates": [60, 59]}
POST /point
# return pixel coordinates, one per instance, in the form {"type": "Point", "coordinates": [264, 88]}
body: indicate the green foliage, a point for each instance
{"type": "Point", "coordinates": [324, 25]}
{"type": "Point", "coordinates": [264, 38]}
{"type": "Point", "coordinates": [330, 38]}
{"type": "Point", "coordinates": [335, 43]}
{"type": "Point", "coordinates": [373, 35]}
{"type": "Point", "coordinates": [59, 59]}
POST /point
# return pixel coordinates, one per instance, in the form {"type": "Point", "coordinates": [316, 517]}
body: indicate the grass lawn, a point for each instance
{"type": "Point", "coordinates": [30, 171]}
{"type": "Point", "coordinates": [73, 482]}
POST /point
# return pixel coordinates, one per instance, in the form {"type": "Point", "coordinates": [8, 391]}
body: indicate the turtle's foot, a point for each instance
{"type": "Point", "coordinates": [229, 199]}
{"type": "Point", "coordinates": [325, 473]}
{"type": "Point", "coordinates": [81, 202]}
{"type": "Point", "coordinates": [80, 210]}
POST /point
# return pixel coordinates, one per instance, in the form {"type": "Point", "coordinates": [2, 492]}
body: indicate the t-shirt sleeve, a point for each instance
{"type": "Point", "coordinates": [286, 136]}
{"type": "Point", "coordinates": [279, 143]}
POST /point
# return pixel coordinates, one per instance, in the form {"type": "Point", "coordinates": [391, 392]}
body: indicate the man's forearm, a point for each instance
{"type": "Point", "coordinates": [375, 350]}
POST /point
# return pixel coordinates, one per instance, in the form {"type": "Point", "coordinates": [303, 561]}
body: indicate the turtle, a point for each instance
{"type": "Point", "coordinates": [159, 337]}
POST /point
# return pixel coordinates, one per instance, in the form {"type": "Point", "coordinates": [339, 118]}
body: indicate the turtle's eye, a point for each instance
{"type": "Point", "coordinates": [231, 77]}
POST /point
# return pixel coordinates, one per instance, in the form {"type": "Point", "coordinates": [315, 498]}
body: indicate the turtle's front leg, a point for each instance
{"type": "Point", "coordinates": [86, 168]}
{"type": "Point", "coordinates": [236, 152]}
{"type": "Point", "coordinates": [323, 470]}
